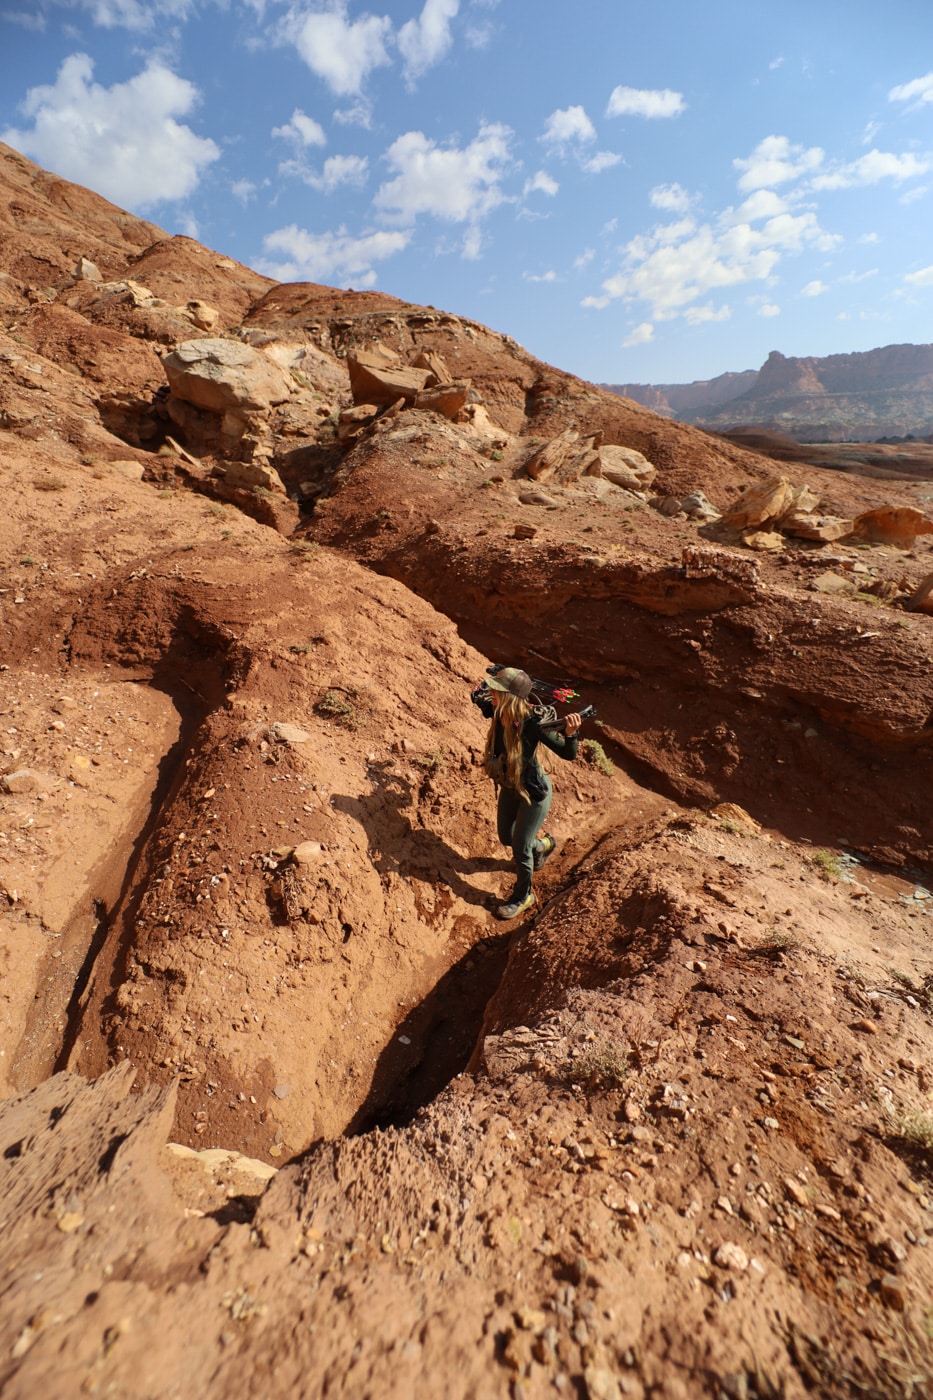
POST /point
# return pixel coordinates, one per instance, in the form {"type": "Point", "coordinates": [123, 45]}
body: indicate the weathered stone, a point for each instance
{"type": "Point", "coordinates": [205, 317]}
{"type": "Point", "coordinates": [133, 471]}
{"type": "Point", "coordinates": [565, 458]}
{"type": "Point", "coordinates": [624, 466]}
{"type": "Point", "coordinates": [219, 375]}
{"type": "Point", "coordinates": [763, 540]}
{"type": "Point", "coordinates": [353, 420]}
{"type": "Point", "coordinates": [893, 1292]}
{"type": "Point", "coordinates": [732, 812]}
{"type": "Point", "coordinates": [804, 525]}
{"type": "Point", "coordinates": [307, 853]}
{"type": "Point", "coordinates": [86, 271]}
{"type": "Point", "coordinates": [435, 364]}
{"type": "Point", "coordinates": [446, 399]}
{"type": "Point", "coordinates": [731, 1256]}
{"type": "Point", "coordinates": [28, 780]}
{"type": "Point", "coordinates": [897, 525]}
{"type": "Point", "coordinates": [698, 506]}
{"type": "Point", "coordinates": [289, 733]}
{"type": "Point", "coordinates": [537, 498]}
{"type": "Point", "coordinates": [762, 502]}
{"type": "Point", "coordinates": [372, 381]}
{"type": "Point", "coordinates": [524, 532]}
{"type": "Point", "coordinates": [921, 600]}
{"type": "Point", "coordinates": [667, 505]}
{"type": "Point", "coordinates": [252, 474]}
{"type": "Point", "coordinates": [833, 583]}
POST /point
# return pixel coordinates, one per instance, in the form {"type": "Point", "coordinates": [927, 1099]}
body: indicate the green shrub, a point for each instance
{"type": "Point", "coordinates": [596, 756]}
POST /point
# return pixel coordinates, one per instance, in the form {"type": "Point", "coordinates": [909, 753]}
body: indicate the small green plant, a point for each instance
{"type": "Point", "coordinates": [828, 866]}
{"type": "Point", "coordinates": [304, 549]}
{"type": "Point", "coordinates": [596, 756]}
{"type": "Point", "coordinates": [432, 762]}
{"type": "Point", "coordinates": [780, 940]}
{"type": "Point", "coordinates": [262, 492]}
{"type": "Point", "coordinates": [915, 1129]}
{"type": "Point", "coordinates": [225, 534]}
{"type": "Point", "coordinates": [187, 547]}
{"type": "Point", "coordinates": [496, 454]}
{"type": "Point", "coordinates": [336, 705]}
{"type": "Point", "coordinates": [603, 1064]}
{"type": "Point", "coordinates": [26, 560]}
{"type": "Point", "coordinates": [216, 510]}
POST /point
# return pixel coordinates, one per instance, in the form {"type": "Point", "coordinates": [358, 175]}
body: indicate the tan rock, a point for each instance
{"type": "Point", "coordinates": [205, 317]}
{"type": "Point", "coordinates": [833, 583]}
{"type": "Point", "coordinates": [763, 540]}
{"type": "Point", "coordinates": [219, 375]}
{"type": "Point", "coordinates": [133, 471]}
{"type": "Point", "coordinates": [252, 474]}
{"type": "Point", "coordinates": [922, 599]}
{"type": "Point", "coordinates": [28, 780]}
{"type": "Point", "coordinates": [897, 525]}
{"type": "Point", "coordinates": [372, 381]}
{"type": "Point", "coordinates": [624, 466]}
{"type": "Point", "coordinates": [86, 271]}
{"type": "Point", "coordinates": [446, 399]}
{"type": "Point", "coordinates": [805, 525]}
{"type": "Point", "coordinates": [762, 502]}
{"type": "Point", "coordinates": [436, 364]}
{"type": "Point", "coordinates": [307, 853]}
{"type": "Point", "coordinates": [731, 811]}
{"type": "Point", "coordinates": [353, 420]}
{"type": "Point", "coordinates": [564, 458]}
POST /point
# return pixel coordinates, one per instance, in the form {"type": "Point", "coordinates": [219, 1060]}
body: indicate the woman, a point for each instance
{"type": "Point", "coordinates": [511, 759]}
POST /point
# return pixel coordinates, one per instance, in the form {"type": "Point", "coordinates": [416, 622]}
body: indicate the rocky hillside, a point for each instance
{"type": "Point", "coordinates": [837, 398]}
{"type": "Point", "coordinates": [284, 1106]}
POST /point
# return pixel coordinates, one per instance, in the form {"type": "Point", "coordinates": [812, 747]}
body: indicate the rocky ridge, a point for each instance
{"type": "Point", "coordinates": [667, 1137]}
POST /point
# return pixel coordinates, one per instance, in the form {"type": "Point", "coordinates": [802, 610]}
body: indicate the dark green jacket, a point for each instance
{"type": "Point", "coordinates": [534, 778]}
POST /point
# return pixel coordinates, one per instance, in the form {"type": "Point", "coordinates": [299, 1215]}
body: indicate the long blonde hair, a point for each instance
{"type": "Point", "coordinates": [511, 713]}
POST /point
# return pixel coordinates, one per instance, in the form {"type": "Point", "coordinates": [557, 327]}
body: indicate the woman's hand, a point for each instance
{"type": "Point", "coordinates": [572, 724]}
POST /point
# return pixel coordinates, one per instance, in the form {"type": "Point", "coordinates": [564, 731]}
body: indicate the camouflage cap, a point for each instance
{"type": "Point", "coordinates": [512, 682]}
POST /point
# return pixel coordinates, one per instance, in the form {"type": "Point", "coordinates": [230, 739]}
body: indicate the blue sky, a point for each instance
{"type": "Point", "coordinates": [653, 192]}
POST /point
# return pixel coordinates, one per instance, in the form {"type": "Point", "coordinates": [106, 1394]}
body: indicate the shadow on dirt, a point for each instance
{"type": "Point", "coordinates": [435, 1041]}
{"type": "Point", "coordinates": [397, 846]}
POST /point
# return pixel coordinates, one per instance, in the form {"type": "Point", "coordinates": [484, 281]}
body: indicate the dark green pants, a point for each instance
{"type": "Point", "coordinates": [518, 823]}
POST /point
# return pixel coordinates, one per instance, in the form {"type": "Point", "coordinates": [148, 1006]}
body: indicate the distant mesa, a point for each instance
{"type": "Point", "coordinates": [863, 397]}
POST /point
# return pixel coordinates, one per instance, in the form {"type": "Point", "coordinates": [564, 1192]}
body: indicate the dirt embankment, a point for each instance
{"type": "Point", "coordinates": [667, 1137]}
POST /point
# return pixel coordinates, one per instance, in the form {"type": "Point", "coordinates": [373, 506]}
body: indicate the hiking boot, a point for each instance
{"type": "Point", "coordinates": [515, 907]}
{"type": "Point", "coordinates": [546, 849]}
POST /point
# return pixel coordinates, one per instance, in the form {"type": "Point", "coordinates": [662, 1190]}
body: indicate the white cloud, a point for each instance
{"type": "Point", "coordinates": [673, 198]}
{"type": "Point", "coordinates": [130, 14]}
{"type": "Point", "coordinates": [549, 276]}
{"type": "Point", "coordinates": [568, 126]}
{"type": "Point", "coordinates": [123, 141]}
{"type": "Point", "coordinates": [542, 183]}
{"type": "Point", "coordinates": [911, 196]}
{"type": "Point", "coordinates": [25, 19]}
{"type": "Point", "coordinates": [815, 288]}
{"type": "Point", "coordinates": [763, 204]}
{"type": "Point", "coordinates": [872, 168]}
{"type": "Point", "coordinates": [769, 309]}
{"type": "Point", "coordinates": [338, 171]}
{"type": "Point", "coordinates": [774, 161]}
{"type": "Point", "coordinates": [922, 278]}
{"type": "Point", "coordinates": [448, 183]}
{"type": "Point", "coordinates": [639, 336]}
{"type": "Point", "coordinates": [341, 52]}
{"type": "Point", "coordinates": [776, 63]}
{"type": "Point", "coordinates": [859, 276]}
{"type": "Point", "coordinates": [700, 315]}
{"type": "Point", "coordinates": [675, 265]}
{"type": "Point", "coordinates": [424, 41]}
{"type": "Point", "coordinates": [645, 102]}
{"type": "Point", "coordinates": [602, 160]}
{"type": "Point", "coordinates": [302, 130]}
{"type": "Point", "coordinates": [870, 132]}
{"type": "Point", "coordinates": [585, 258]}
{"type": "Point", "coordinates": [869, 238]}
{"type": "Point", "coordinates": [918, 90]}
{"type": "Point", "coordinates": [328, 257]}
{"type": "Point", "coordinates": [243, 190]}
{"type": "Point", "coordinates": [358, 114]}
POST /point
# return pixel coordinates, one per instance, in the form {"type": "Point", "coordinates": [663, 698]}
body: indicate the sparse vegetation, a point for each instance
{"type": "Point", "coordinates": [914, 1129]}
{"type": "Point", "coordinates": [26, 560]}
{"type": "Point", "coordinates": [49, 483]}
{"type": "Point", "coordinates": [337, 705]}
{"type": "Point", "coordinates": [828, 866]}
{"type": "Point", "coordinates": [781, 940]}
{"type": "Point", "coordinates": [603, 1065]}
{"type": "Point", "coordinates": [496, 454]}
{"type": "Point", "coordinates": [595, 755]}
{"type": "Point", "coordinates": [304, 549]}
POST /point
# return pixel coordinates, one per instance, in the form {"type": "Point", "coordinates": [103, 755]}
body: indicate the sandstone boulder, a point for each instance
{"type": "Point", "coordinates": [86, 271]}
{"type": "Point", "coordinates": [624, 466]}
{"type": "Point", "coordinates": [762, 503]}
{"type": "Point", "coordinates": [204, 316]}
{"type": "Point", "coordinates": [805, 525]}
{"type": "Point", "coordinates": [218, 375]}
{"type": "Point", "coordinates": [897, 525]}
{"type": "Point", "coordinates": [373, 381]}
{"type": "Point", "coordinates": [353, 420]}
{"type": "Point", "coordinates": [564, 458]}
{"type": "Point", "coordinates": [696, 506]}
{"type": "Point", "coordinates": [436, 364]}
{"type": "Point", "coordinates": [252, 474]}
{"type": "Point", "coordinates": [446, 399]}
{"type": "Point", "coordinates": [921, 600]}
